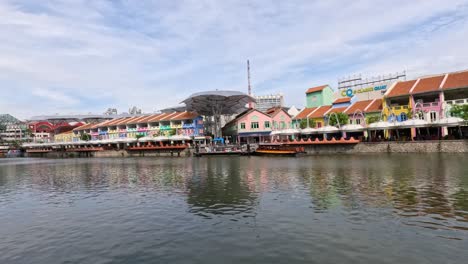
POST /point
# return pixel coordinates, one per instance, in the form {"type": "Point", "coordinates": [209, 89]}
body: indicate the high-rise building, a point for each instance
{"type": "Point", "coordinates": [265, 102]}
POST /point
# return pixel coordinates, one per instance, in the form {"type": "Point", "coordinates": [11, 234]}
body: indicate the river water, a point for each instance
{"type": "Point", "coordinates": [319, 209]}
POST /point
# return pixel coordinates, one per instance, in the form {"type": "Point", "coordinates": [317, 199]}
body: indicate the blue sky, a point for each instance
{"type": "Point", "coordinates": [85, 56]}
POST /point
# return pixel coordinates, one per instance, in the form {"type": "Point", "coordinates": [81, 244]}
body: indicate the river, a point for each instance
{"type": "Point", "coordinates": [377, 208]}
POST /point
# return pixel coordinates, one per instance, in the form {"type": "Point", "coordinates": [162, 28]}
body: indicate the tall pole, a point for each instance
{"type": "Point", "coordinates": [248, 81]}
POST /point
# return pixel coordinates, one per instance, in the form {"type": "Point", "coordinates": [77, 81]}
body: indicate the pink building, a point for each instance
{"type": "Point", "coordinates": [253, 126]}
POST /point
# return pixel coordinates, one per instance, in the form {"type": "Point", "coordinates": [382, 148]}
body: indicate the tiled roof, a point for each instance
{"type": "Point", "coordinates": [170, 116]}
{"type": "Point", "coordinates": [158, 117]}
{"type": "Point", "coordinates": [320, 112]}
{"type": "Point", "coordinates": [185, 115]}
{"type": "Point", "coordinates": [337, 110]}
{"type": "Point", "coordinates": [456, 80]}
{"type": "Point", "coordinates": [359, 105]}
{"type": "Point", "coordinates": [316, 89]}
{"type": "Point", "coordinates": [87, 126]}
{"type": "Point", "coordinates": [375, 106]}
{"type": "Point", "coordinates": [342, 100]}
{"type": "Point", "coordinates": [428, 84]}
{"type": "Point", "coordinates": [304, 113]}
{"type": "Point", "coordinates": [115, 121]}
{"type": "Point", "coordinates": [401, 88]}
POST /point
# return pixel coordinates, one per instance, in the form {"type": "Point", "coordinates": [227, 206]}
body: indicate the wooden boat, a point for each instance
{"type": "Point", "coordinates": [277, 149]}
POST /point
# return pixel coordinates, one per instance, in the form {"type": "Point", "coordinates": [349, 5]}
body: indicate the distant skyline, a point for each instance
{"type": "Point", "coordinates": [86, 56]}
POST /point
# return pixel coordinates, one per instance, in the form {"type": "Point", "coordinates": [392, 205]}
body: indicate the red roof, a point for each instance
{"type": "Point", "coordinates": [185, 116]}
{"type": "Point", "coordinates": [304, 113]}
{"type": "Point", "coordinates": [375, 106]}
{"type": "Point", "coordinates": [456, 80]}
{"type": "Point", "coordinates": [359, 105]}
{"type": "Point", "coordinates": [428, 84]}
{"type": "Point", "coordinates": [316, 89]}
{"type": "Point", "coordinates": [401, 88]}
{"type": "Point", "coordinates": [342, 100]}
{"type": "Point", "coordinates": [320, 111]}
{"type": "Point", "coordinates": [87, 126]}
{"type": "Point", "coordinates": [337, 110]}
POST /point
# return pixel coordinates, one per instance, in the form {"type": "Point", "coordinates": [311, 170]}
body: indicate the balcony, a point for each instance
{"type": "Point", "coordinates": [399, 107]}
{"type": "Point", "coordinates": [457, 101]}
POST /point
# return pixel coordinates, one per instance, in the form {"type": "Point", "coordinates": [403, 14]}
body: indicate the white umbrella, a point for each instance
{"type": "Point", "coordinates": [449, 122]}
{"type": "Point", "coordinates": [146, 139]}
{"type": "Point", "coordinates": [130, 140]}
{"type": "Point", "coordinates": [289, 131]}
{"type": "Point", "coordinates": [381, 125]}
{"type": "Point", "coordinates": [180, 138]}
{"type": "Point", "coordinates": [308, 131]}
{"type": "Point", "coordinates": [353, 128]}
{"type": "Point", "coordinates": [161, 138]}
{"type": "Point", "coordinates": [328, 130]}
{"type": "Point", "coordinates": [273, 133]}
{"type": "Point", "coordinates": [412, 123]}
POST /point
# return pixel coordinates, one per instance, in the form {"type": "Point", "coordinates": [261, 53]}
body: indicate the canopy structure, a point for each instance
{"type": "Point", "coordinates": [328, 130]}
{"type": "Point", "coordinates": [449, 122]}
{"type": "Point", "coordinates": [353, 128]}
{"type": "Point", "coordinates": [308, 131]}
{"type": "Point", "coordinates": [413, 123]}
{"type": "Point", "coordinates": [217, 103]}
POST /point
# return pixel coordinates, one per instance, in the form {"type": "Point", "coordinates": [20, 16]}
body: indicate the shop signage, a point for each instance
{"type": "Point", "coordinates": [350, 92]}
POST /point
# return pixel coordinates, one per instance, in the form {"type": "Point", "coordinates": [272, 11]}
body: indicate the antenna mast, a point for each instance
{"type": "Point", "coordinates": [248, 81]}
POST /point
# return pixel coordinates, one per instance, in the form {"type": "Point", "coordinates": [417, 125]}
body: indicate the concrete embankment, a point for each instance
{"type": "Point", "coordinates": [443, 146]}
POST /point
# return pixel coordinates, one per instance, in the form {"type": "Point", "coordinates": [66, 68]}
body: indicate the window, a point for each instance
{"type": "Point", "coordinates": [242, 125]}
{"type": "Point", "coordinates": [254, 125]}
{"type": "Point", "coordinates": [267, 124]}
{"type": "Point", "coordinates": [433, 116]}
{"type": "Point", "coordinates": [358, 121]}
{"type": "Point", "coordinates": [319, 124]}
{"type": "Point", "coordinates": [403, 117]}
{"type": "Point", "coordinates": [283, 124]}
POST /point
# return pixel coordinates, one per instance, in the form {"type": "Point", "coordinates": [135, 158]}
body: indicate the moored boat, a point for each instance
{"type": "Point", "coordinates": [277, 149]}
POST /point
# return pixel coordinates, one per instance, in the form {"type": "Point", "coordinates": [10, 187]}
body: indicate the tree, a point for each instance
{"type": "Point", "coordinates": [372, 119]}
{"type": "Point", "coordinates": [460, 111]}
{"type": "Point", "coordinates": [85, 137]}
{"type": "Point", "coordinates": [303, 123]}
{"type": "Point", "coordinates": [139, 136]}
{"type": "Point", "coordinates": [342, 118]}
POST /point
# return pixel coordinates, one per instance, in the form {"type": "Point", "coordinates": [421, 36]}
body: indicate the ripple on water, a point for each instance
{"type": "Point", "coordinates": [322, 209]}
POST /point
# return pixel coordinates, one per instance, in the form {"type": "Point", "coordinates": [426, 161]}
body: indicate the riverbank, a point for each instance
{"type": "Point", "coordinates": [442, 146]}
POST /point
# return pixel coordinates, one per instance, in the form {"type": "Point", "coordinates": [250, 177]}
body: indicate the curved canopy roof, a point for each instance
{"type": "Point", "coordinates": [218, 102]}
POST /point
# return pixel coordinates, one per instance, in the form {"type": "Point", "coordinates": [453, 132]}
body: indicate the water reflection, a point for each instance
{"type": "Point", "coordinates": [279, 208]}
{"type": "Point", "coordinates": [218, 186]}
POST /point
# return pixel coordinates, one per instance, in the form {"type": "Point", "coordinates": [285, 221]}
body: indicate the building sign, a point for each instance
{"type": "Point", "coordinates": [350, 92]}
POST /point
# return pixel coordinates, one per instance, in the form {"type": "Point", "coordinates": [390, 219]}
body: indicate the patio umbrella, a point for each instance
{"type": "Point", "coordinates": [308, 131]}
{"type": "Point", "coordinates": [353, 128]}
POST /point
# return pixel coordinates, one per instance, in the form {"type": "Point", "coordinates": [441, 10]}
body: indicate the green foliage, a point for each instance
{"type": "Point", "coordinates": [460, 111]}
{"type": "Point", "coordinates": [409, 113]}
{"type": "Point", "coordinates": [303, 123]}
{"type": "Point", "coordinates": [85, 137]}
{"type": "Point", "coordinates": [138, 136]}
{"type": "Point", "coordinates": [171, 132]}
{"type": "Point", "coordinates": [342, 118]}
{"type": "Point", "coordinates": [372, 119]}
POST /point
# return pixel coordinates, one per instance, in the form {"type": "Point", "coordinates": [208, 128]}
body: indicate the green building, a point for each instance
{"type": "Point", "coordinates": [318, 96]}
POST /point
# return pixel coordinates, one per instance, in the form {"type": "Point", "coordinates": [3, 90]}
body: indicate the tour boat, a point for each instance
{"type": "Point", "coordinates": [277, 149]}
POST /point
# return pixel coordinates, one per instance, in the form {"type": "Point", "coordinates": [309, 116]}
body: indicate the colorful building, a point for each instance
{"type": "Point", "coordinates": [318, 96]}
{"type": "Point", "coordinates": [253, 126]}
{"type": "Point", "coordinates": [164, 124]}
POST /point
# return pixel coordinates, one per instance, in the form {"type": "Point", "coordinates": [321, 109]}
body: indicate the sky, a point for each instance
{"type": "Point", "coordinates": [78, 57]}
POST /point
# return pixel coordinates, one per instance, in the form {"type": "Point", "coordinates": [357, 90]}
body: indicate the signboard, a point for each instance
{"type": "Point", "coordinates": [349, 92]}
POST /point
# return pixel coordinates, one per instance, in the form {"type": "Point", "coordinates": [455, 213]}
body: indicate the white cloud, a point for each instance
{"type": "Point", "coordinates": [153, 54]}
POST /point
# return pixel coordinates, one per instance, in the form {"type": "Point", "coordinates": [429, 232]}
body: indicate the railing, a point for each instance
{"type": "Point", "coordinates": [457, 101]}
